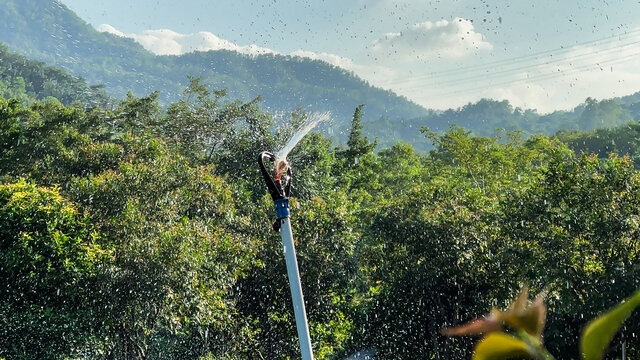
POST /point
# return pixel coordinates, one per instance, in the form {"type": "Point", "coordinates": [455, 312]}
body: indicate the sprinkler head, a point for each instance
{"type": "Point", "coordinates": [279, 182]}
{"type": "Point", "coordinates": [281, 166]}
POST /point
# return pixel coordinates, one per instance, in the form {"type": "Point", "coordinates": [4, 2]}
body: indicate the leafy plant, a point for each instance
{"type": "Point", "coordinates": [517, 332]}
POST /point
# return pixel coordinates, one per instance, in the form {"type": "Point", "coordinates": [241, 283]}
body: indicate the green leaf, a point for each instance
{"type": "Point", "coordinates": [499, 345]}
{"type": "Point", "coordinates": [598, 333]}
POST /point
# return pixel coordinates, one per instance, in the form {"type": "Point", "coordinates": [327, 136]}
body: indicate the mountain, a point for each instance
{"type": "Point", "coordinates": [48, 31]}
{"type": "Point", "coordinates": [29, 80]}
{"type": "Point", "coordinates": [486, 116]}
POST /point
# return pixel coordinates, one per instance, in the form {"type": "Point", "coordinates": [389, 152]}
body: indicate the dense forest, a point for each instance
{"type": "Point", "coordinates": [142, 232]}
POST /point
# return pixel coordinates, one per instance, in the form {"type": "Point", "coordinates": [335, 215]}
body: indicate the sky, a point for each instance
{"type": "Point", "coordinates": [546, 55]}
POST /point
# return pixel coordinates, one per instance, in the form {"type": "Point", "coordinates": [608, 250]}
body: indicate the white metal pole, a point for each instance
{"type": "Point", "coordinates": [296, 289]}
{"type": "Point", "coordinates": [280, 194]}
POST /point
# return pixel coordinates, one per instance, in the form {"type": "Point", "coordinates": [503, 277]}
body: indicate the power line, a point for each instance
{"type": "Point", "coordinates": [513, 71]}
{"type": "Point", "coordinates": [511, 61]}
{"type": "Point", "coordinates": [523, 58]}
{"type": "Point", "coordinates": [540, 77]}
{"type": "Point", "coordinates": [532, 79]}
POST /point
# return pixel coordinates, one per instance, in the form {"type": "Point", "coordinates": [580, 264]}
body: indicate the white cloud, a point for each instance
{"type": "Point", "coordinates": [427, 40]}
{"type": "Point", "coordinates": [111, 30]}
{"type": "Point", "coordinates": [168, 42]}
{"type": "Point", "coordinates": [332, 59]}
{"type": "Point", "coordinates": [596, 71]}
{"type": "Point", "coordinates": [373, 73]}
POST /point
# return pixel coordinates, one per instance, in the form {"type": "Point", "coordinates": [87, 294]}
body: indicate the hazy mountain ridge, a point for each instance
{"type": "Point", "coordinates": [48, 31]}
{"type": "Point", "coordinates": [28, 80]}
{"type": "Point", "coordinates": [488, 117]}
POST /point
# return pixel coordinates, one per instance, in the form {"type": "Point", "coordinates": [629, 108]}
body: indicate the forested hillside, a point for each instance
{"type": "Point", "coordinates": [145, 234]}
{"type": "Point", "coordinates": [487, 116]}
{"type": "Point", "coordinates": [623, 140]}
{"type": "Point", "coordinates": [50, 32]}
{"type": "Point", "coordinates": [28, 80]}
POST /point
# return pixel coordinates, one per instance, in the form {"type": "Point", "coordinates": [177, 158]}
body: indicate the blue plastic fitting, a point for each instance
{"type": "Point", "coordinates": [282, 208]}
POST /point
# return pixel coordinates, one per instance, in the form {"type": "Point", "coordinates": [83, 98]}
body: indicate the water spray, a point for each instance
{"type": "Point", "coordinates": [313, 119]}
{"type": "Point", "coordinates": [279, 187]}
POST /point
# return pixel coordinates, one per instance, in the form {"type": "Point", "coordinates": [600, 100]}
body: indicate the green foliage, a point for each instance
{"type": "Point", "coordinates": [491, 163]}
{"type": "Point", "coordinates": [175, 261]}
{"type": "Point", "coordinates": [487, 116]}
{"type": "Point", "coordinates": [603, 114]}
{"type": "Point", "coordinates": [484, 117]}
{"type": "Point", "coordinates": [621, 140]}
{"type": "Point", "coordinates": [198, 123]}
{"type": "Point", "coordinates": [50, 258]}
{"type": "Point", "coordinates": [357, 145]}
{"type": "Point", "coordinates": [401, 169]}
{"type": "Point", "coordinates": [137, 114]}
{"type": "Point", "coordinates": [314, 160]}
{"type": "Point", "coordinates": [357, 163]}
{"type": "Point", "coordinates": [573, 231]}
{"type": "Point", "coordinates": [434, 243]}
{"type": "Point", "coordinates": [52, 143]}
{"type": "Point", "coordinates": [392, 246]}
{"type": "Point", "coordinates": [28, 80]}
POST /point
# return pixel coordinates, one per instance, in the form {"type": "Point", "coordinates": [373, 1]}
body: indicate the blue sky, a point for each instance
{"type": "Point", "coordinates": [544, 54]}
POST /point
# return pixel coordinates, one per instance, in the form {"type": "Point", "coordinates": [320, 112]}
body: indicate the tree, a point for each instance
{"type": "Point", "coordinates": [198, 123]}
{"type": "Point", "coordinates": [357, 145]}
{"type": "Point", "coordinates": [427, 246]}
{"type": "Point", "coordinates": [175, 257]}
{"type": "Point", "coordinates": [51, 259]}
{"type": "Point", "coordinates": [622, 140]}
{"type": "Point", "coordinates": [603, 114]}
{"type": "Point", "coordinates": [573, 232]}
{"type": "Point", "coordinates": [358, 165]}
{"type": "Point", "coordinates": [489, 164]}
{"type": "Point", "coordinates": [135, 115]}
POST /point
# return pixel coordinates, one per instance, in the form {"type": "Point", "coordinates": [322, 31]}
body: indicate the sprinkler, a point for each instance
{"type": "Point", "coordinates": [279, 187]}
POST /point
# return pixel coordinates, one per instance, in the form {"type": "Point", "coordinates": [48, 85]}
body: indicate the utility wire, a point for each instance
{"type": "Point", "coordinates": [513, 71]}
{"type": "Point", "coordinates": [536, 78]}
{"type": "Point", "coordinates": [511, 61]}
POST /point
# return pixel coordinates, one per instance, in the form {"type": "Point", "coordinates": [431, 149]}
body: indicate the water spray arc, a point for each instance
{"type": "Point", "coordinates": [279, 187]}
{"type": "Point", "coordinates": [312, 120]}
